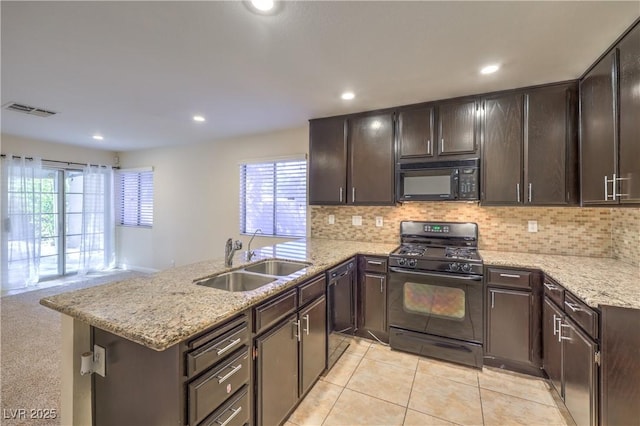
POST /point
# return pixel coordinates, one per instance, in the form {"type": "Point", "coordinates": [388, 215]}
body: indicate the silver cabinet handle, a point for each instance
{"type": "Point", "coordinates": [374, 262]}
{"type": "Point", "coordinates": [353, 194]}
{"type": "Point", "coordinates": [233, 371]}
{"type": "Point", "coordinates": [510, 275]}
{"type": "Point", "coordinates": [297, 326]}
{"type": "Point", "coordinates": [229, 346]}
{"type": "Point", "coordinates": [606, 188]}
{"type": "Point", "coordinates": [493, 300]}
{"type": "Point", "coordinates": [560, 336]}
{"type": "Point", "coordinates": [615, 180]}
{"type": "Point", "coordinates": [429, 147]}
{"type": "Point", "coordinates": [573, 306]}
{"type": "Point", "coordinates": [551, 287]}
{"type": "Point", "coordinates": [442, 145]}
{"type": "Point", "coordinates": [381, 284]}
{"type": "Point", "coordinates": [518, 191]}
{"type": "Point", "coordinates": [236, 411]}
{"type": "Point", "coordinates": [555, 321]}
{"type": "Point", "coordinates": [341, 191]}
{"type": "Point", "coordinates": [613, 183]}
{"type": "Point", "coordinates": [530, 191]}
{"type": "Point", "coordinates": [306, 330]}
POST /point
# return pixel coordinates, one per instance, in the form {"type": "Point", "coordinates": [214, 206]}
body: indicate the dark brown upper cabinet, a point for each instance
{"type": "Point", "coordinates": [457, 133]}
{"type": "Point", "coordinates": [328, 161]}
{"type": "Point", "coordinates": [502, 149]}
{"type": "Point", "coordinates": [351, 160]}
{"type": "Point", "coordinates": [610, 129]}
{"type": "Point", "coordinates": [371, 160]}
{"type": "Point", "coordinates": [530, 147]}
{"type": "Point", "coordinates": [629, 173]}
{"type": "Point", "coordinates": [416, 136]}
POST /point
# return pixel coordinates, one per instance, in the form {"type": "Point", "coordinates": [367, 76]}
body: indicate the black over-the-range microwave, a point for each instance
{"type": "Point", "coordinates": [439, 180]}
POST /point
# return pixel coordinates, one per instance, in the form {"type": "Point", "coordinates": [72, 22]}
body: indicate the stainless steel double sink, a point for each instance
{"type": "Point", "coordinates": [253, 276]}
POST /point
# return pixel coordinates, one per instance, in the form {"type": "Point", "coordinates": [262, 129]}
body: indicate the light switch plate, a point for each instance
{"type": "Point", "coordinates": [356, 220]}
{"type": "Point", "coordinates": [331, 219]}
{"type": "Point", "coordinates": [379, 221]}
{"type": "Point", "coordinates": [533, 226]}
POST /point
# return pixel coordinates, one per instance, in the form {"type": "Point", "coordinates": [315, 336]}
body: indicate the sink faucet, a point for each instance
{"type": "Point", "coordinates": [229, 249]}
{"type": "Point", "coordinates": [251, 253]}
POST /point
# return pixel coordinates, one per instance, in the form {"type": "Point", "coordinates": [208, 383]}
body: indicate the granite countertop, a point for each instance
{"type": "Point", "coordinates": [597, 281]}
{"type": "Point", "coordinates": [166, 308]}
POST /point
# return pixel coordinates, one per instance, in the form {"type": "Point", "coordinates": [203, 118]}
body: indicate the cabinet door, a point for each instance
{"type": "Point", "coordinates": [551, 344]}
{"type": "Point", "coordinates": [327, 161]}
{"type": "Point", "coordinates": [457, 128]}
{"type": "Point", "coordinates": [371, 166]}
{"type": "Point", "coordinates": [580, 375]}
{"type": "Point", "coordinates": [598, 136]}
{"type": "Point", "coordinates": [509, 326]}
{"type": "Point", "coordinates": [629, 187]}
{"type": "Point", "coordinates": [415, 133]}
{"type": "Point", "coordinates": [277, 372]}
{"type": "Point", "coordinates": [502, 150]}
{"type": "Point", "coordinates": [373, 291]}
{"type": "Point", "coordinates": [551, 146]}
{"type": "Point", "coordinates": [313, 346]}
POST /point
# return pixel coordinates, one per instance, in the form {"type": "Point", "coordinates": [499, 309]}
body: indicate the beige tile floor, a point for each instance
{"type": "Point", "coordinates": [373, 385]}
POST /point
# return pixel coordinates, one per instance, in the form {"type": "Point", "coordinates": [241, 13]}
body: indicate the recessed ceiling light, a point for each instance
{"type": "Point", "coordinates": [98, 137]}
{"type": "Point", "coordinates": [263, 5]}
{"type": "Point", "coordinates": [347, 96]}
{"type": "Point", "coordinates": [198, 118]}
{"type": "Point", "coordinates": [490, 69]}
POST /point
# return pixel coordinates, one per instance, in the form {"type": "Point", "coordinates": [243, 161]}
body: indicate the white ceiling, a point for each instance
{"type": "Point", "coordinates": [137, 72]}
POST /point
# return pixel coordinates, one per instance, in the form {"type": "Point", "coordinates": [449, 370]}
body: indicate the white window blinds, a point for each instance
{"type": "Point", "coordinates": [273, 198]}
{"type": "Point", "coordinates": [134, 197]}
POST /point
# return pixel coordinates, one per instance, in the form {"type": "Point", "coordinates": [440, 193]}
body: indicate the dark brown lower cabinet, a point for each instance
{"type": "Point", "coordinates": [373, 306]}
{"type": "Point", "coordinates": [509, 324]}
{"type": "Point", "coordinates": [313, 343]}
{"type": "Point", "coordinates": [551, 344]}
{"type": "Point", "coordinates": [277, 372]}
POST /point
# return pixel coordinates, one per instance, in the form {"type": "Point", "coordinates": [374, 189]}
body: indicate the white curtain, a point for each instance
{"type": "Point", "coordinates": [21, 221]}
{"type": "Point", "coordinates": [97, 248]}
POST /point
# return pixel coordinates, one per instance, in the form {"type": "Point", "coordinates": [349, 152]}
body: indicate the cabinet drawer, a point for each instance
{"type": "Point", "coordinates": [269, 313]}
{"type": "Point", "coordinates": [312, 290]}
{"type": "Point", "coordinates": [218, 347]}
{"type": "Point", "coordinates": [375, 264]}
{"type": "Point", "coordinates": [585, 316]}
{"type": "Point", "coordinates": [509, 277]}
{"type": "Point", "coordinates": [554, 291]}
{"type": "Point", "coordinates": [235, 412]}
{"type": "Point", "coordinates": [214, 387]}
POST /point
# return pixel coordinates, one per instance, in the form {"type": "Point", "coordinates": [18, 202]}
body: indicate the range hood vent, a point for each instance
{"type": "Point", "coordinates": [14, 106]}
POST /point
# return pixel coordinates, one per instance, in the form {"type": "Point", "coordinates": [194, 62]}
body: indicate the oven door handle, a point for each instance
{"type": "Point", "coordinates": [434, 274]}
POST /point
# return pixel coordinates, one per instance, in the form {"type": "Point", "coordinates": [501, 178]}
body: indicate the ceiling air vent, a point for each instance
{"type": "Point", "coordinates": [14, 106]}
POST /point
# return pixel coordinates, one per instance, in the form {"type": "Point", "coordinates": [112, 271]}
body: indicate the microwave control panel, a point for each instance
{"type": "Point", "coordinates": [468, 183]}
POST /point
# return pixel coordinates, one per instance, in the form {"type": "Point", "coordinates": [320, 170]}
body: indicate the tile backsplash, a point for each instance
{"type": "Point", "coordinates": [595, 232]}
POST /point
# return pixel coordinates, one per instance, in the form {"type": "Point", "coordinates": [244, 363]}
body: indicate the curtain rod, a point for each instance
{"type": "Point", "coordinates": [68, 163]}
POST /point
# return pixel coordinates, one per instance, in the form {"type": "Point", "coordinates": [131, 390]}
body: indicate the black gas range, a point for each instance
{"type": "Point", "coordinates": [436, 292]}
{"type": "Point", "coordinates": [438, 246]}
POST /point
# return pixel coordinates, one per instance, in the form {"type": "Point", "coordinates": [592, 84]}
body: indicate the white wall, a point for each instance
{"type": "Point", "coordinates": [196, 198]}
{"type": "Point", "coordinates": [14, 145]}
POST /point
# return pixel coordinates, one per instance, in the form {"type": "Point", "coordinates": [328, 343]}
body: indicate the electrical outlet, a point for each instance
{"type": "Point", "coordinates": [379, 221]}
{"type": "Point", "coordinates": [99, 360]}
{"type": "Point", "coordinates": [356, 220]}
{"type": "Point", "coordinates": [331, 219]}
{"type": "Point", "coordinates": [533, 226]}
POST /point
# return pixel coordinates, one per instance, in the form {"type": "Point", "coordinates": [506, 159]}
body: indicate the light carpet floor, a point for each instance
{"type": "Point", "coordinates": [30, 351]}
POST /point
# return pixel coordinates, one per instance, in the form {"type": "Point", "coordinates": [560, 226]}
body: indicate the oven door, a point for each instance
{"type": "Point", "coordinates": [441, 304]}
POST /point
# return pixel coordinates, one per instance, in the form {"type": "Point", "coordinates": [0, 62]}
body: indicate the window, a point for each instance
{"type": "Point", "coordinates": [273, 198]}
{"type": "Point", "coordinates": [134, 197]}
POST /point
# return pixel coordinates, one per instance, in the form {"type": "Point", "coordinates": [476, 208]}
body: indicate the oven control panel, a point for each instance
{"type": "Point", "coordinates": [460, 267]}
{"type": "Point", "coordinates": [439, 229]}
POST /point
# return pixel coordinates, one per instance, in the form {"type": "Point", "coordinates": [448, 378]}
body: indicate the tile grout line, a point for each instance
{"type": "Point", "coordinates": [480, 395]}
{"type": "Point", "coordinates": [406, 411]}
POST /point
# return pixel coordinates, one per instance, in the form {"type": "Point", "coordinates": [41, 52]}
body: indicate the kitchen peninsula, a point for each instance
{"type": "Point", "coordinates": [161, 311]}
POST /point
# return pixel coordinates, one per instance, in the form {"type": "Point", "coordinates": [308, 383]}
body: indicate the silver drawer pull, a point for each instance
{"type": "Point", "coordinates": [306, 329]}
{"type": "Point", "coordinates": [233, 371]}
{"type": "Point", "coordinates": [551, 286]}
{"type": "Point", "coordinates": [374, 262]}
{"type": "Point", "coordinates": [560, 336]}
{"type": "Point", "coordinates": [510, 275]}
{"type": "Point", "coordinates": [236, 411]}
{"type": "Point", "coordinates": [229, 346]}
{"type": "Point", "coordinates": [296, 333]}
{"type": "Point", "coordinates": [573, 306]}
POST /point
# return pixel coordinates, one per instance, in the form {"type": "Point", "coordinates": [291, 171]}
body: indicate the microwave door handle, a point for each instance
{"type": "Point", "coordinates": [454, 187]}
